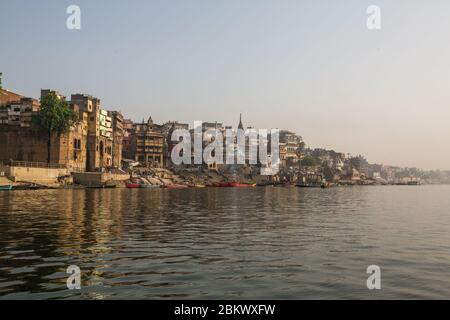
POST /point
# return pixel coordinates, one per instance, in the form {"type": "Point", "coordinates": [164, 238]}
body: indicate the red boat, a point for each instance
{"type": "Point", "coordinates": [224, 184]}
{"type": "Point", "coordinates": [241, 185]}
{"type": "Point", "coordinates": [177, 186]}
{"type": "Point", "coordinates": [133, 185]}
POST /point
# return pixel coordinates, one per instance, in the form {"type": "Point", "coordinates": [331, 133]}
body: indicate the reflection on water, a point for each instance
{"type": "Point", "coordinates": [281, 243]}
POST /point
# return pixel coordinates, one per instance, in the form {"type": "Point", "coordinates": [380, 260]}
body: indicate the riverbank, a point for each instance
{"type": "Point", "coordinates": [23, 178]}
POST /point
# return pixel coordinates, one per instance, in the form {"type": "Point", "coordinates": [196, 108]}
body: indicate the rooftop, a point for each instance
{"type": "Point", "coordinates": [8, 96]}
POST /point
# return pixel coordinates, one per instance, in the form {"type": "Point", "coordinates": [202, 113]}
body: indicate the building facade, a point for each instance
{"type": "Point", "coordinates": [148, 144]}
{"type": "Point", "coordinates": [20, 141]}
{"type": "Point", "coordinates": [127, 145]}
{"type": "Point", "coordinates": [117, 138]}
{"type": "Point", "coordinates": [100, 145]}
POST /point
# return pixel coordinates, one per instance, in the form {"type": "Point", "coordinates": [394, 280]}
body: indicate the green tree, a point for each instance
{"type": "Point", "coordinates": [309, 161]}
{"type": "Point", "coordinates": [54, 116]}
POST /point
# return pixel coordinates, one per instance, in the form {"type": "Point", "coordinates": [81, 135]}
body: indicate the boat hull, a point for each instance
{"type": "Point", "coordinates": [133, 185]}
{"type": "Point", "coordinates": [241, 185]}
{"type": "Point", "coordinates": [26, 187]}
{"type": "Point", "coordinates": [224, 184]}
{"type": "Point", "coordinates": [309, 186]}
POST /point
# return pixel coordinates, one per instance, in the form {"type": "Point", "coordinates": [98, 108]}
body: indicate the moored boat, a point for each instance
{"type": "Point", "coordinates": [133, 185]}
{"type": "Point", "coordinates": [224, 184]}
{"type": "Point", "coordinates": [241, 185]}
{"type": "Point", "coordinates": [109, 186]}
{"type": "Point", "coordinates": [213, 184]}
{"type": "Point", "coordinates": [6, 187]}
{"type": "Point", "coordinates": [309, 185]}
{"type": "Point", "coordinates": [324, 185]}
{"type": "Point", "coordinates": [28, 186]}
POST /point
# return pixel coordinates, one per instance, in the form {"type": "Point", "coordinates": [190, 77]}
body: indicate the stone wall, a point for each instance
{"type": "Point", "coordinates": [36, 175]}
{"type": "Point", "coordinates": [26, 144]}
{"type": "Point", "coordinates": [23, 144]}
{"type": "Point", "coordinates": [97, 178]}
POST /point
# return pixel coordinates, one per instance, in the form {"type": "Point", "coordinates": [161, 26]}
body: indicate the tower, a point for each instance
{"type": "Point", "coordinates": [240, 126]}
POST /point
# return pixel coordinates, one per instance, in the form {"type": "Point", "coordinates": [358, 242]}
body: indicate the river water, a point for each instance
{"type": "Point", "coordinates": [226, 243]}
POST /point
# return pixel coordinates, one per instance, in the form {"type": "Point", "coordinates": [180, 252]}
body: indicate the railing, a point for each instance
{"type": "Point", "coordinates": [77, 170]}
{"type": "Point", "coordinates": [28, 164]}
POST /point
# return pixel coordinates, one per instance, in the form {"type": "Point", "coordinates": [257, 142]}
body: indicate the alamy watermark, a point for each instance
{"type": "Point", "coordinates": [73, 21]}
{"type": "Point", "coordinates": [374, 280]}
{"type": "Point", "coordinates": [74, 280]}
{"type": "Point", "coordinates": [227, 146]}
{"type": "Point", "coordinates": [374, 19]}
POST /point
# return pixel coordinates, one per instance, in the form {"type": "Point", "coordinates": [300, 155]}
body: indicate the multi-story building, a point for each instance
{"type": "Point", "coordinates": [19, 112]}
{"type": "Point", "coordinates": [76, 142]}
{"type": "Point", "coordinates": [293, 144]}
{"type": "Point", "coordinates": [172, 125]}
{"type": "Point", "coordinates": [117, 137]}
{"type": "Point", "coordinates": [20, 142]}
{"type": "Point", "coordinates": [148, 144]}
{"type": "Point", "coordinates": [99, 139]}
{"type": "Point", "coordinates": [283, 153]}
{"type": "Point", "coordinates": [127, 147]}
{"type": "Point", "coordinates": [92, 143]}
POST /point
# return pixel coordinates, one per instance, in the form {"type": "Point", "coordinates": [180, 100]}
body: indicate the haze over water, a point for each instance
{"type": "Point", "coordinates": [312, 67]}
{"type": "Point", "coordinates": [281, 243]}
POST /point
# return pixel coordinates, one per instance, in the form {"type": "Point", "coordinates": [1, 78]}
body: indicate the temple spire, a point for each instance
{"type": "Point", "coordinates": [240, 126]}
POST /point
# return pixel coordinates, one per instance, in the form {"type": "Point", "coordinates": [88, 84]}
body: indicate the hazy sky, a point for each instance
{"type": "Point", "coordinates": [309, 66]}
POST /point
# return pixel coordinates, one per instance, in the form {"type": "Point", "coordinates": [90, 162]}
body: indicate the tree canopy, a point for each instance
{"type": "Point", "coordinates": [55, 115]}
{"type": "Point", "coordinates": [309, 161]}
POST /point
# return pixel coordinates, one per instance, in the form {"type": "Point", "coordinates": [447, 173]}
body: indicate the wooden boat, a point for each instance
{"type": "Point", "coordinates": [311, 185]}
{"type": "Point", "coordinates": [177, 186]}
{"type": "Point", "coordinates": [28, 186]}
{"type": "Point", "coordinates": [6, 187]}
{"type": "Point", "coordinates": [199, 185]}
{"type": "Point", "coordinates": [109, 186]}
{"type": "Point", "coordinates": [241, 185]}
{"type": "Point", "coordinates": [133, 185]}
{"type": "Point", "coordinates": [224, 184]}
